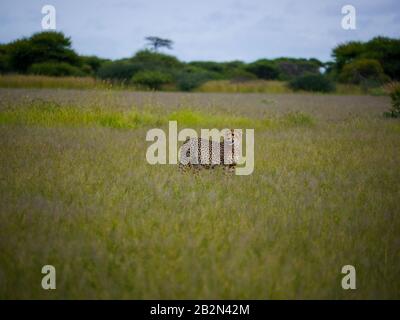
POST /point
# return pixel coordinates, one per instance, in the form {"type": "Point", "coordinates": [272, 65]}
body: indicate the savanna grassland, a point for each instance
{"type": "Point", "coordinates": [77, 192]}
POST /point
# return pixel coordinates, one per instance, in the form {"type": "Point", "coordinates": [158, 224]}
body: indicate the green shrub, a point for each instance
{"type": "Point", "coordinates": [93, 62]}
{"type": "Point", "coordinates": [151, 79]}
{"type": "Point", "coordinates": [48, 46]}
{"type": "Point", "coordinates": [222, 70]}
{"type": "Point", "coordinates": [387, 52]}
{"type": "Point", "coordinates": [187, 81]}
{"type": "Point", "coordinates": [210, 66]}
{"type": "Point", "coordinates": [56, 69]}
{"type": "Point", "coordinates": [312, 82]}
{"type": "Point", "coordinates": [345, 53]}
{"type": "Point", "coordinates": [290, 68]}
{"type": "Point", "coordinates": [363, 71]}
{"type": "Point", "coordinates": [395, 96]}
{"type": "Point", "coordinates": [383, 49]}
{"type": "Point", "coordinates": [4, 59]}
{"type": "Point", "coordinates": [240, 75]}
{"type": "Point", "coordinates": [117, 70]}
{"type": "Point", "coordinates": [155, 61]}
{"type": "Point", "coordinates": [87, 69]}
{"type": "Point", "coordinates": [192, 77]}
{"type": "Point", "coordinates": [263, 69]}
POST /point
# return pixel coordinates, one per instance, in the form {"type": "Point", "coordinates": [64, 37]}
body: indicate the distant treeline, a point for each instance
{"type": "Point", "coordinates": [49, 53]}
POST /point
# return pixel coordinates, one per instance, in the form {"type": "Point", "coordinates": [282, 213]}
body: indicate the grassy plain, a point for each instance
{"type": "Point", "coordinates": [76, 192]}
{"type": "Point", "coordinates": [214, 86]}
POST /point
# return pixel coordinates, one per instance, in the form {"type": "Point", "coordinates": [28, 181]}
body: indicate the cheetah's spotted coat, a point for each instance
{"type": "Point", "coordinates": [202, 153]}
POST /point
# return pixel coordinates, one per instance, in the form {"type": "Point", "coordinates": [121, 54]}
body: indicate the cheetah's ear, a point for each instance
{"type": "Point", "coordinates": [227, 132]}
{"type": "Point", "coordinates": [238, 133]}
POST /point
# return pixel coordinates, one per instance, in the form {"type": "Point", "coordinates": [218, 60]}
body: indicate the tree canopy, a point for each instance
{"type": "Point", "coordinates": [51, 53]}
{"type": "Point", "coordinates": [385, 51]}
{"type": "Point", "coordinates": [156, 43]}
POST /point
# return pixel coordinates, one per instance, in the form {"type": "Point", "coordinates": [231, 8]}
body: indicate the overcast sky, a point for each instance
{"type": "Point", "coordinates": [205, 29]}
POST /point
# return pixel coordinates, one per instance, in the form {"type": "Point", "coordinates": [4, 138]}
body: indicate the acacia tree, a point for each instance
{"type": "Point", "coordinates": [155, 43]}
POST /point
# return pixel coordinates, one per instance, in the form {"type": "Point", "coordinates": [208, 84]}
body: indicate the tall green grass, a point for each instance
{"type": "Point", "coordinates": [278, 87]}
{"type": "Point", "coordinates": [50, 114]}
{"type": "Point", "coordinates": [254, 86]}
{"type": "Point", "coordinates": [77, 192]}
{"type": "Point", "coordinates": [41, 82]}
{"type": "Point", "coordinates": [222, 86]}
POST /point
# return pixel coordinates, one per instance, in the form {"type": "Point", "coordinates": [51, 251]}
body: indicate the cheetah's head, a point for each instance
{"type": "Point", "coordinates": [233, 136]}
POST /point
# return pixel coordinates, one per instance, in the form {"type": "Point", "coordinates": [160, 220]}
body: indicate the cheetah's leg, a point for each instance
{"type": "Point", "coordinates": [184, 168]}
{"type": "Point", "coordinates": [229, 169]}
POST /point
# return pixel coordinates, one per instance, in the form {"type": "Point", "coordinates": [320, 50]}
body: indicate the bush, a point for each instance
{"type": "Point", "coordinates": [56, 69]}
{"type": "Point", "coordinates": [151, 79]}
{"type": "Point", "coordinates": [240, 75]}
{"type": "Point", "coordinates": [87, 70]}
{"type": "Point", "coordinates": [221, 70]}
{"type": "Point", "coordinates": [312, 82]}
{"type": "Point", "coordinates": [117, 70]}
{"type": "Point", "coordinates": [93, 62]}
{"type": "Point", "coordinates": [290, 68]}
{"type": "Point", "coordinates": [4, 63]}
{"type": "Point", "coordinates": [48, 46]}
{"type": "Point", "coordinates": [192, 79]}
{"type": "Point", "coordinates": [346, 52]}
{"type": "Point", "coordinates": [363, 71]}
{"type": "Point", "coordinates": [395, 96]}
{"type": "Point", "coordinates": [263, 69]}
{"type": "Point", "coordinates": [211, 66]}
{"type": "Point", "coordinates": [148, 60]}
{"type": "Point", "coordinates": [383, 49]}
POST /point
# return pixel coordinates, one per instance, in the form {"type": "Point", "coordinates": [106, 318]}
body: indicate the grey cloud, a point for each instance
{"type": "Point", "coordinates": [208, 29]}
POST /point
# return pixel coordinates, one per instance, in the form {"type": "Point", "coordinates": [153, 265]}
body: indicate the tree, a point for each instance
{"type": "Point", "coordinates": [192, 77]}
{"type": "Point", "coordinates": [147, 60]}
{"type": "Point", "coordinates": [395, 95]}
{"type": "Point", "coordinates": [118, 70]}
{"type": "Point", "coordinates": [347, 52]}
{"type": "Point", "coordinates": [155, 43]}
{"type": "Point", "coordinates": [55, 69]}
{"type": "Point", "coordinates": [46, 46]}
{"type": "Point", "coordinates": [290, 68]}
{"type": "Point", "coordinates": [263, 69]}
{"type": "Point", "coordinates": [385, 50]}
{"type": "Point", "coordinates": [211, 66]}
{"type": "Point", "coordinates": [312, 82]}
{"type": "Point", "coordinates": [151, 79]}
{"type": "Point", "coordinates": [4, 63]}
{"type": "Point", "coordinates": [362, 71]}
{"type": "Point", "coordinates": [93, 62]}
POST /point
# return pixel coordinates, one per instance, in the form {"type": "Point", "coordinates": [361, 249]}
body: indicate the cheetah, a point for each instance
{"type": "Point", "coordinates": [200, 153]}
